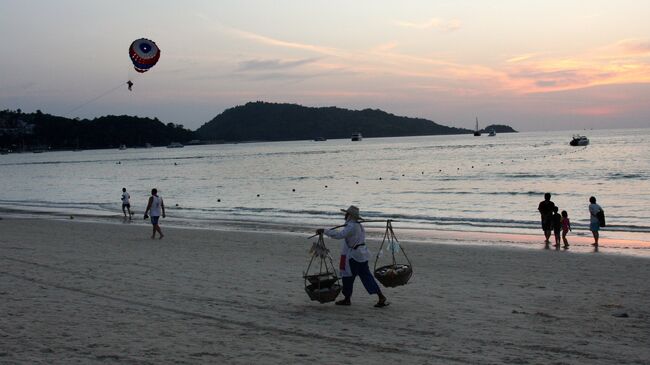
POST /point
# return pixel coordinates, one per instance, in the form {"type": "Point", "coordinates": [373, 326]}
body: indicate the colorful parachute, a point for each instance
{"type": "Point", "coordinates": [144, 54]}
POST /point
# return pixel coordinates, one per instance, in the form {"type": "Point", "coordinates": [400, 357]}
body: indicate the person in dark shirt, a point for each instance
{"type": "Point", "coordinates": [556, 220]}
{"type": "Point", "coordinates": [546, 211]}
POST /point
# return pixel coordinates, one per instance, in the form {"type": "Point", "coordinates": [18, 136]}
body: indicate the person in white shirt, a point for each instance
{"type": "Point", "coordinates": [156, 207]}
{"type": "Point", "coordinates": [594, 223]}
{"type": "Point", "coordinates": [354, 257]}
{"type": "Point", "coordinates": [126, 204]}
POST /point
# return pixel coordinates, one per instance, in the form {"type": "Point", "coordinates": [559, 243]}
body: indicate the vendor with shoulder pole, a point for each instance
{"type": "Point", "coordinates": [354, 257]}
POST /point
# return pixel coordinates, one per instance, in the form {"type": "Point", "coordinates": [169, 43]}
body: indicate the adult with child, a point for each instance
{"type": "Point", "coordinates": [594, 220]}
{"type": "Point", "coordinates": [546, 211]}
{"type": "Point", "coordinates": [156, 207]}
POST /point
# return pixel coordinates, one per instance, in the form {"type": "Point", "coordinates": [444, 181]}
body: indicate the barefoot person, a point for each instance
{"type": "Point", "coordinates": [126, 203]}
{"type": "Point", "coordinates": [354, 257]}
{"type": "Point", "coordinates": [546, 211]}
{"type": "Point", "coordinates": [594, 222]}
{"type": "Point", "coordinates": [156, 207]}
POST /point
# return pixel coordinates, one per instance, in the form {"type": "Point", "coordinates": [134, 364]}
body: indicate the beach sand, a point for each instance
{"type": "Point", "coordinates": [75, 292]}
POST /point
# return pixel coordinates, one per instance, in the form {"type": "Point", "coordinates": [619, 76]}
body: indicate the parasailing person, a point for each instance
{"type": "Point", "coordinates": [354, 257]}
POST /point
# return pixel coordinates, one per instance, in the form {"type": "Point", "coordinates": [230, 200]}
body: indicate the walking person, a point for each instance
{"type": "Point", "coordinates": [556, 220]}
{"type": "Point", "coordinates": [546, 211]}
{"type": "Point", "coordinates": [156, 207]}
{"type": "Point", "coordinates": [594, 221]}
{"type": "Point", "coordinates": [566, 227]}
{"type": "Point", "coordinates": [354, 257]}
{"type": "Point", "coordinates": [126, 203]}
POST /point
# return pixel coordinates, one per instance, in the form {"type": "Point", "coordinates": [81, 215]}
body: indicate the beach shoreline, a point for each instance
{"type": "Point", "coordinates": [580, 239]}
{"type": "Point", "coordinates": [91, 292]}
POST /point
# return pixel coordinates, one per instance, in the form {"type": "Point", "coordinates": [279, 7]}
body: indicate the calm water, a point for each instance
{"type": "Point", "coordinates": [461, 183]}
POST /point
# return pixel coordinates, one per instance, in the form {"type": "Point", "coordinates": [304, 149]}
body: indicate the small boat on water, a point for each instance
{"type": "Point", "coordinates": [579, 140]}
{"type": "Point", "coordinates": [175, 145]}
{"type": "Point", "coordinates": [122, 147]}
{"type": "Point", "coordinates": [320, 139]}
{"type": "Point", "coordinates": [492, 133]}
{"type": "Point", "coordinates": [356, 137]}
{"type": "Point", "coordinates": [477, 133]}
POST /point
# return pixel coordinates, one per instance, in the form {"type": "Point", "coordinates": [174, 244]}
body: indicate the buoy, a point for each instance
{"type": "Point", "coordinates": [176, 204]}
{"type": "Point", "coordinates": [293, 190]}
{"type": "Point", "coordinates": [71, 217]}
{"type": "Point", "coordinates": [258, 195]}
{"type": "Point", "coordinates": [325, 186]}
{"type": "Point", "coordinates": [422, 172]}
{"type": "Point", "coordinates": [357, 183]}
{"type": "Point", "coordinates": [380, 178]}
{"type": "Point", "coordinates": [218, 200]}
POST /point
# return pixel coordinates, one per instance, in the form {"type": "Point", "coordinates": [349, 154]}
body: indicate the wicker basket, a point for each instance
{"type": "Point", "coordinates": [324, 280]}
{"type": "Point", "coordinates": [394, 275]}
{"type": "Point", "coordinates": [323, 294]}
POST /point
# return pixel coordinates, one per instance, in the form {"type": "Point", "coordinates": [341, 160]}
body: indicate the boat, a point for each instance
{"type": "Point", "coordinates": [579, 140]}
{"type": "Point", "coordinates": [320, 139]}
{"type": "Point", "coordinates": [148, 145]}
{"type": "Point", "coordinates": [356, 137]}
{"type": "Point", "coordinates": [476, 131]}
{"type": "Point", "coordinates": [122, 147]}
{"type": "Point", "coordinates": [492, 133]}
{"type": "Point", "coordinates": [175, 145]}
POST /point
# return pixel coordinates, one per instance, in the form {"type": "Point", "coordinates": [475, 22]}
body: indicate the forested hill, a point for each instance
{"type": "Point", "coordinates": [37, 130]}
{"type": "Point", "coordinates": [263, 121]}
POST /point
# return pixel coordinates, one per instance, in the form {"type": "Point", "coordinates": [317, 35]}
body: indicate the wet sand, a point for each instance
{"type": "Point", "coordinates": [95, 293]}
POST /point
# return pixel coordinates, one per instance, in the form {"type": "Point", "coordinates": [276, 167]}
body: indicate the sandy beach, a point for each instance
{"type": "Point", "coordinates": [76, 292]}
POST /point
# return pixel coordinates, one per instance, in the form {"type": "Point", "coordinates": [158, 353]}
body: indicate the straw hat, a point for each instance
{"type": "Point", "coordinates": [353, 211]}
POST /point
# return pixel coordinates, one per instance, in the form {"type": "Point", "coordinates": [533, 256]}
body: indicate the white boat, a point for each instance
{"type": "Point", "coordinates": [492, 133]}
{"type": "Point", "coordinates": [175, 145]}
{"type": "Point", "coordinates": [476, 131]}
{"type": "Point", "coordinates": [356, 137]}
{"type": "Point", "coordinates": [579, 140]}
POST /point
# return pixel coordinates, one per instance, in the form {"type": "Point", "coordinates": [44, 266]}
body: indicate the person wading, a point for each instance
{"type": "Point", "coordinates": [354, 257]}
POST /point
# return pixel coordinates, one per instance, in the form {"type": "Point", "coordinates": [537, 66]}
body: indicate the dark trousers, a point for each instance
{"type": "Point", "coordinates": [361, 270]}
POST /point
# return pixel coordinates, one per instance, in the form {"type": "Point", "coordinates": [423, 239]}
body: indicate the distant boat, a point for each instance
{"type": "Point", "coordinates": [320, 139]}
{"type": "Point", "coordinates": [175, 145]}
{"type": "Point", "coordinates": [147, 145]}
{"type": "Point", "coordinates": [579, 140]}
{"type": "Point", "coordinates": [492, 133]}
{"type": "Point", "coordinates": [356, 137]}
{"type": "Point", "coordinates": [122, 147]}
{"type": "Point", "coordinates": [476, 131]}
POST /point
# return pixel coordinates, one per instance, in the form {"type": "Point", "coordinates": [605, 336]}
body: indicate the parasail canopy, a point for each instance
{"type": "Point", "coordinates": [144, 54]}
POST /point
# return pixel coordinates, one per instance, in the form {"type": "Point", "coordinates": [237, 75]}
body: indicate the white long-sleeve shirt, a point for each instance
{"type": "Point", "coordinates": [353, 235]}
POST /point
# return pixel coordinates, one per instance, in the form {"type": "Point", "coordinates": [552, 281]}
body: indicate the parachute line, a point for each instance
{"type": "Point", "coordinates": [121, 85]}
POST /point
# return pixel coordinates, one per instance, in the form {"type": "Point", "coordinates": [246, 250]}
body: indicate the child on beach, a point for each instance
{"type": "Point", "coordinates": [566, 227]}
{"type": "Point", "coordinates": [556, 220]}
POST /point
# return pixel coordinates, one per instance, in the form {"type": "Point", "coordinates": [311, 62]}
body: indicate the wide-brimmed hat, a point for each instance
{"type": "Point", "coordinates": [353, 211]}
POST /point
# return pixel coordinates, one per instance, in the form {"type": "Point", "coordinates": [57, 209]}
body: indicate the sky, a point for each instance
{"type": "Point", "coordinates": [534, 65]}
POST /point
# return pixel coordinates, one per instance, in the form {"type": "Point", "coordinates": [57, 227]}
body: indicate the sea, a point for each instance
{"type": "Point", "coordinates": [430, 186]}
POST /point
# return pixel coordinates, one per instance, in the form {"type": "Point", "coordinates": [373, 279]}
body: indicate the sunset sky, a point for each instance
{"type": "Point", "coordinates": [535, 65]}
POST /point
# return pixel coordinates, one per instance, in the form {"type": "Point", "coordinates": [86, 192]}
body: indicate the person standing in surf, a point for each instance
{"type": "Point", "coordinates": [354, 257]}
{"type": "Point", "coordinates": [126, 203]}
{"type": "Point", "coordinates": [156, 207]}
{"type": "Point", "coordinates": [546, 211]}
{"type": "Point", "coordinates": [594, 222]}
